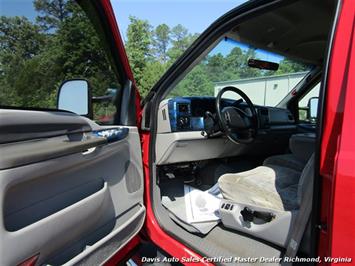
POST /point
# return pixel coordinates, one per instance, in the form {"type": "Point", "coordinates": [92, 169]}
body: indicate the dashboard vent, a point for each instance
{"type": "Point", "coordinates": [264, 112]}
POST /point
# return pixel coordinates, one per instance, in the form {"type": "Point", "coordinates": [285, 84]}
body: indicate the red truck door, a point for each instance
{"type": "Point", "coordinates": [337, 159]}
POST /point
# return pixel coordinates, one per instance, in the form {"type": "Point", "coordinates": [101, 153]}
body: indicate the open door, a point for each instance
{"type": "Point", "coordinates": [71, 187]}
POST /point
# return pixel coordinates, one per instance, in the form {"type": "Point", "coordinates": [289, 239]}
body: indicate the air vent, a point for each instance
{"type": "Point", "coordinates": [164, 114]}
{"type": "Point", "coordinates": [264, 112]}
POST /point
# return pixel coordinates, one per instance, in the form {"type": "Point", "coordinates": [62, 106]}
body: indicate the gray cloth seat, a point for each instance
{"type": "Point", "coordinates": [272, 187]}
{"type": "Point", "coordinates": [275, 184]}
{"type": "Point", "coordinates": [301, 146]}
{"type": "Point", "coordinates": [269, 189]}
{"type": "Point", "coordinates": [285, 160]}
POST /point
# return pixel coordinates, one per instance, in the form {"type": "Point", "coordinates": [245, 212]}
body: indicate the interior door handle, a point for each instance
{"type": "Point", "coordinates": [89, 151]}
{"type": "Point", "coordinates": [36, 151]}
{"type": "Point", "coordinates": [112, 134]}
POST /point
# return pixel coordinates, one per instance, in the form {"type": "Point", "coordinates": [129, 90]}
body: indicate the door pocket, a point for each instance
{"type": "Point", "coordinates": [73, 198]}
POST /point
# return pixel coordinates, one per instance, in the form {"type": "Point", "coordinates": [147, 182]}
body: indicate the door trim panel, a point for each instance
{"type": "Point", "coordinates": [20, 125]}
{"type": "Point", "coordinates": [109, 183]}
{"type": "Point", "coordinates": [29, 152]}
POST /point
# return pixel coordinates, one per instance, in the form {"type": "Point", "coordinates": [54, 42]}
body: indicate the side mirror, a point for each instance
{"type": "Point", "coordinates": [74, 95]}
{"type": "Point", "coordinates": [312, 108]}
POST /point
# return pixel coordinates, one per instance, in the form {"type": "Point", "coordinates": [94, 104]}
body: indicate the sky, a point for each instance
{"type": "Point", "coordinates": [195, 15]}
{"type": "Point", "coordinates": [17, 8]}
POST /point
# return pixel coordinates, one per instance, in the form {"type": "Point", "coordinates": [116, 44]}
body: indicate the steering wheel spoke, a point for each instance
{"type": "Point", "coordinates": [241, 111]}
{"type": "Point", "coordinates": [237, 124]}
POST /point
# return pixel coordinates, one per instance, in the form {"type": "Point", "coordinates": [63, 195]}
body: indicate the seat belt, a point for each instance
{"type": "Point", "coordinates": [301, 222]}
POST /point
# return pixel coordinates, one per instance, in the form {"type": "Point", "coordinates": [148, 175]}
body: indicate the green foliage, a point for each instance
{"type": "Point", "coordinates": [138, 49]}
{"type": "Point", "coordinates": [181, 40]}
{"type": "Point", "coordinates": [152, 50]}
{"type": "Point", "coordinates": [51, 13]}
{"type": "Point", "coordinates": [61, 43]}
{"type": "Point", "coordinates": [196, 83]}
{"type": "Point", "coordinates": [38, 56]}
{"type": "Point", "coordinates": [161, 41]}
{"type": "Point", "coordinates": [288, 66]}
{"type": "Point", "coordinates": [21, 43]}
{"type": "Point", "coordinates": [233, 66]}
{"type": "Point", "coordinates": [152, 73]}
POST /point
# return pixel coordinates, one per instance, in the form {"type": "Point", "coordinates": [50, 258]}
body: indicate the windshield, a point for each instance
{"type": "Point", "coordinates": [227, 65]}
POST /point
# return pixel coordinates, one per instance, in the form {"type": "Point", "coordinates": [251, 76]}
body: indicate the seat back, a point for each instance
{"type": "Point", "coordinates": [302, 145]}
{"type": "Point", "coordinates": [302, 224]}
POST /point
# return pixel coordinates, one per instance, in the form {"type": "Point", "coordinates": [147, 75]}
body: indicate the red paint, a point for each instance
{"type": "Point", "coordinates": [30, 261]}
{"type": "Point", "coordinates": [337, 159]}
{"type": "Point", "coordinates": [337, 148]}
{"type": "Point", "coordinates": [107, 7]}
{"type": "Point", "coordinates": [152, 228]}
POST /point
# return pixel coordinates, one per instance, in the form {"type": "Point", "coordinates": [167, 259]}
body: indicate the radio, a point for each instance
{"type": "Point", "coordinates": [180, 114]}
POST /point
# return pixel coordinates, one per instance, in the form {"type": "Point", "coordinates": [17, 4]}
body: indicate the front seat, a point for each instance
{"type": "Point", "coordinates": [273, 187]}
{"type": "Point", "coordinates": [301, 147]}
{"type": "Point", "coordinates": [275, 184]}
{"type": "Point", "coordinates": [265, 207]}
{"type": "Point", "coordinates": [276, 189]}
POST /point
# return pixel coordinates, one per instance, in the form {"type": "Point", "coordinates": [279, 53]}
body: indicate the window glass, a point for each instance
{"type": "Point", "coordinates": [43, 43]}
{"type": "Point", "coordinates": [157, 32]}
{"type": "Point", "coordinates": [227, 65]}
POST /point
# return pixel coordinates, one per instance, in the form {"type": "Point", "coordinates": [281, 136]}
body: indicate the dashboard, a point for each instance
{"type": "Point", "coordinates": [181, 129]}
{"type": "Point", "coordinates": [188, 113]}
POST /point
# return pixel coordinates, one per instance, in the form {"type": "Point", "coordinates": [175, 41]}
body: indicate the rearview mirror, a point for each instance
{"type": "Point", "coordinates": [312, 108]}
{"type": "Point", "coordinates": [261, 64]}
{"type": "Point", "coordinates": [74, 95]}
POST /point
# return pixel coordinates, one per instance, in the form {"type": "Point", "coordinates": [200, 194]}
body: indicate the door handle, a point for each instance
{"type": "Point", "coordinates": [112, 134]}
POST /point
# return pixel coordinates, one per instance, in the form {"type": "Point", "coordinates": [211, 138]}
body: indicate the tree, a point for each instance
{"type": "Point", "coordinates": [62, 43]}
{"type": "Point", "coordinates": [21, 42]}
{"type": "Point", "coordinates": [19, 37]}
{"type": "Point", "coordinates": [33, 60]}
{"type": "Point", "coordinates": [216, 67]}
{"type": "Point", "coordinates": [195, 83]}
{"type": "Point", "coordinates": [77, 49]}
{"type": "Point", "coordinates": [152, 72]}
{"type": "Point", "coordinates": [288, 66]}
{"type": "Point", "coordinates": [139, 39]}
{"type": "Point", "coordinates": [161, 41]}
{"type": "Point", "coordinates": [180, 41]}
{"type": "Point", "coordinates": [51, 13]}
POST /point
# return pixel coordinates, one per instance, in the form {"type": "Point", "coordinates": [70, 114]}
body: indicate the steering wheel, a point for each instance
{"type": "Point", "coordinates": [235, 123]}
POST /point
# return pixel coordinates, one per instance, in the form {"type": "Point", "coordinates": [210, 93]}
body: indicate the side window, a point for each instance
{"type": "Point", "coordinates": [308, 106]}
{"type": "Point", "coordinates": [45, 42]}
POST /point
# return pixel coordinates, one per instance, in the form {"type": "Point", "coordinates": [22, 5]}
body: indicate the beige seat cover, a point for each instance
{"type": "Point", "coordinates": [272, 186]}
